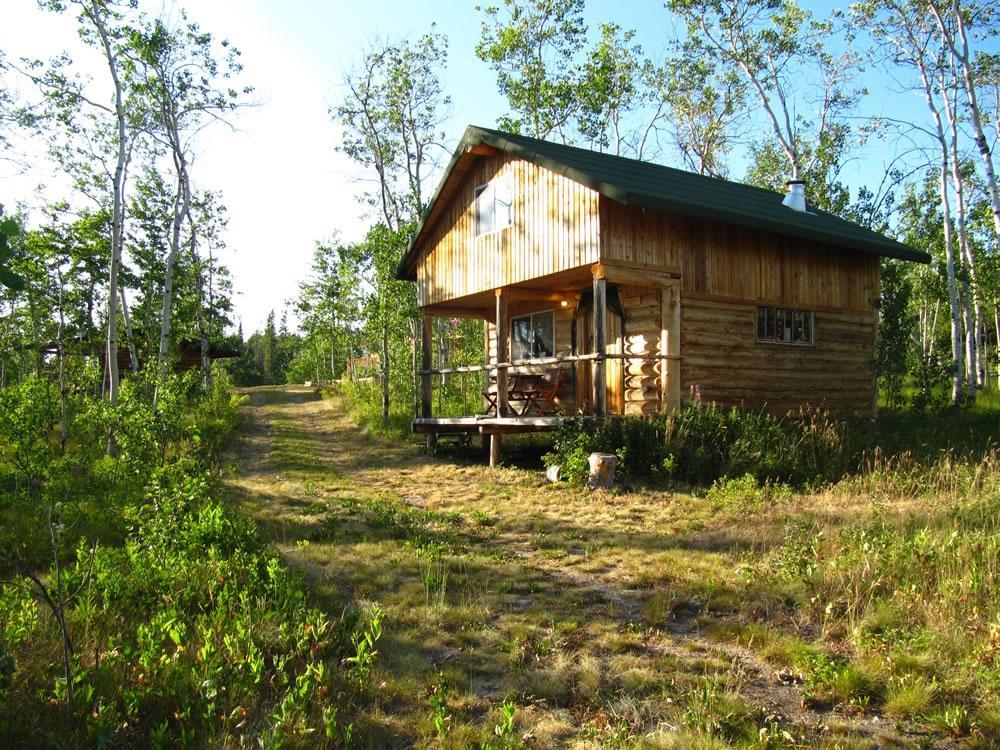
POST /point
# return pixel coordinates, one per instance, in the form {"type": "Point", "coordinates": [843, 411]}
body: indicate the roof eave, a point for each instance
{"type": "Point", "coordinates": [405, 271]}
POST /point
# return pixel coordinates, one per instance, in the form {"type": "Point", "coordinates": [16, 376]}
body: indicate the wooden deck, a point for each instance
{"type": "Point", "coordinates": [488, 425]}
{"type": "Point", "coordinates": [490, 428]}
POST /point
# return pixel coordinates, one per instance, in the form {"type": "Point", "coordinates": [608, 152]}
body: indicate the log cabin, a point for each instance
{"type": "Point", "coordinates": [634, 286]}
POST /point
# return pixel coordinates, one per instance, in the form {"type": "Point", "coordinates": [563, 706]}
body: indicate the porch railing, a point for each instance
{"type": "Point", "coordinates": [436, 390]}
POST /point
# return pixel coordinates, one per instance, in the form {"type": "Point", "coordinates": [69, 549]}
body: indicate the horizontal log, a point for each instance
{"type": "Point", "coordinates": [710, 340]}
{"type": "Point", "coordinates": [813, 360]}
{"type": "Point", "coordinates": [824, 329]}
{"type": "Point", "coordinates": [694, 306]}
{"type": "Point", "coordinates": [709, 393]}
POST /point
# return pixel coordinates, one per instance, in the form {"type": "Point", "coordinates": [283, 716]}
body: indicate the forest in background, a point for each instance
{"type": "Point", "coordinates": [766, 84]}
{"type": "Point", "coordinates": [131, 256]}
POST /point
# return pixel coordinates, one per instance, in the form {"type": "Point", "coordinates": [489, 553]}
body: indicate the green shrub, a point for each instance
{"type": "Point", "coordinates": [701, 443]}
{"type": "Point", "coordinates": [185, 627]}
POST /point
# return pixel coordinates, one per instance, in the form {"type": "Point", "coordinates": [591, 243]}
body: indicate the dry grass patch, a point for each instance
{"type": "Point", "coordinates": [610, 620]}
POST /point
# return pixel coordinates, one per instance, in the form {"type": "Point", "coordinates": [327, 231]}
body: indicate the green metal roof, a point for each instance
{"type": "Point", "coordinates": [646, 185]}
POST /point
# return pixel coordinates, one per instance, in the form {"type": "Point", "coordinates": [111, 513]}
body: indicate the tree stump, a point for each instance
{"type": "Point", "coordinates": [602, 471]}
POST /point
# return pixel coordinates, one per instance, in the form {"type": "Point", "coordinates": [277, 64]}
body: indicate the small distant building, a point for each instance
{"type": "Point", "coordinates": [189, 353]}
{"type": "Point", "coordinates": [643, 285]}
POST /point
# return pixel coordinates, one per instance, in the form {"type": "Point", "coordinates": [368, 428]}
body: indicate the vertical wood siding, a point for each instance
{"type": "Point", "coordinates": [555, 228]}
{"type": "Point", "coordinates": [739, 262]}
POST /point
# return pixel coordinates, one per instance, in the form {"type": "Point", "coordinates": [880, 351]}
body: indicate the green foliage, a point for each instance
{"type": "Point", "coordinates": [505, 730]}
{"type": "Point", "coordinates": [531, 47]}
{"type": "Point", "coordinates": [439, 706]}
{"type": "Point", "coordinates": [701, 443]}
{"type": "Point", "coordinates": [185, 625]}
{"type": "Point", "coordinates": [746, 494]}
{"type": "Point", "coordinates": [756, 453]}
{"type": "Point", "coordinates": [8, 230]}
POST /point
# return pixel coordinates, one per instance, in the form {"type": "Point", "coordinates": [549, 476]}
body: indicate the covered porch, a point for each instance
{"type": "Point", "coordinates": [595, 342]}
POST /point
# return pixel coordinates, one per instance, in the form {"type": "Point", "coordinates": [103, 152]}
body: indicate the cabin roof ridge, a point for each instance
{"type": "Point", "coordinates": [654, 186]}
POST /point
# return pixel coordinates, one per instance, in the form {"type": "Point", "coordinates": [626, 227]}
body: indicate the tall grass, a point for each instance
{"type": "Point", "coordinates": [363, 401]}
{"type": "Point", "coordinates": [702, 443]}
{"type": "Point", "coordinates": [912, 586]}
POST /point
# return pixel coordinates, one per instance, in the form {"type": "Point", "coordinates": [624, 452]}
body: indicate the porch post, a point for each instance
{"type": "Point", "coordinates": [674, 348]}
{"type": "Point", "coordinates": [502, 407]}
{"type": "Point", "coordinates": [600, 341]}
{"type": "Point", "coordinates": [426, 385]}
{"type": "Point", "coordinates": [670, 345]}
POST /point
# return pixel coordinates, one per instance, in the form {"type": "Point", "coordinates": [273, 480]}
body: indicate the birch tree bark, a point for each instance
{"type": "Point", "coordinates": [907, 30]}
{"type": "Point", "coordinates": [970, 299]}
{"type": "Point", "coordinates": [952, 25]}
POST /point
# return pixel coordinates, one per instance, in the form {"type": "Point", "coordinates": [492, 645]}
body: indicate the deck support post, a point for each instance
{"type": "Point", "coordinates": [502, 406]}
{"type": "Point", "coordinates": [600, 341]}
{"type": "Point", "coordinates": [495, 444]}
{"type": "Point", "coordinates": [426, 385]}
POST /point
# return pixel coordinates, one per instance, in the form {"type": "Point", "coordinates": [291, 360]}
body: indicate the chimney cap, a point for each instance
{"type": "Point", "coordinates": [796, 197]}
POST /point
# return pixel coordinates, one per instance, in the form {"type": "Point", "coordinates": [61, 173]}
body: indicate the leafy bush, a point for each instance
{"type": "Point", "coordinates": [702, 443]}
{"type": "Point", "coordinates": [185, 627]}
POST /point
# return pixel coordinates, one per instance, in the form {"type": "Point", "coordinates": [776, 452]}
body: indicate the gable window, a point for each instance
{"type": "Point", "coordinates": [777, 325]}
{"type": "Point", "coordinates": [532, 336]}
{"type": "Point", "coordinates": [494, 205]}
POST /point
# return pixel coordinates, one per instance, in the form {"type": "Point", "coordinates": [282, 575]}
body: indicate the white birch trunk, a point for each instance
{"type": "Point", "coordinates": [971, 293]}
{"type": "Point", "coordinates": [182, 210]}
{"type": "Point", "coordinates": [95, 11]}
{"type": "Point", "coordinates": [949, 242]}
{"type": "Point", "coordinates": [960, 49]}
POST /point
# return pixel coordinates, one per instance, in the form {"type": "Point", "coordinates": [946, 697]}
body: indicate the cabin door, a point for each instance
{"type": "Point", "coordinates": [614, 375]}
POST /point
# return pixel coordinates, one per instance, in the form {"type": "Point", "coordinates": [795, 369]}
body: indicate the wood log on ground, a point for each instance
{"type": "Point", "coordinates": [602, 471]}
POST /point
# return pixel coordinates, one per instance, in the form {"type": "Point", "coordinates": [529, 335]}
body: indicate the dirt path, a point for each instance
{"type": "Point", "coordinates": [608, 617]}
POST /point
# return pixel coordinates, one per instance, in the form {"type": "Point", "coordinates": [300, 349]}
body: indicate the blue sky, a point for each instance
{"type": "Point", "coordinates": [282, 180]}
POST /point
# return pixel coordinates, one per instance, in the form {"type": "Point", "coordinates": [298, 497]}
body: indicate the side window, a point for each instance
{"type": "Point", "coordinates": [777, 325]}
{"type": "Point", "coordinates": [494, 205]}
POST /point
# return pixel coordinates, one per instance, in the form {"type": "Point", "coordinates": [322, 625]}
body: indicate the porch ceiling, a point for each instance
{"type": "Point", "coordinates": [562, 285]}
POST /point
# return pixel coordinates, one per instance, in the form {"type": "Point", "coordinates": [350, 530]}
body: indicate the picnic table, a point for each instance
{"type": "Point", "coordinates": [534, 392]}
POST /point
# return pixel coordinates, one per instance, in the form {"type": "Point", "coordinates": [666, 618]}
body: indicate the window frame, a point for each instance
{"type": "Point", "coordinates": [490, 189]}
{"type": "Point", "coordinates": [530, 317]}
{"type": "Point", "coordinates": [773, 314]}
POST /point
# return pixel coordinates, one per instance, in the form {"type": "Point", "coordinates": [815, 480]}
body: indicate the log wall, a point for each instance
{"type": "Point", "coordinates": [641, 378]}
{"type": "Point", "coordinates": [726, 272]}
{"type": "Point", "coordinates": [721, 358]}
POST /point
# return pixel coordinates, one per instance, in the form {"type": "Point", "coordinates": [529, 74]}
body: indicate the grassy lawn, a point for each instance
{"type": "Point", "coordinates": [519, 613]}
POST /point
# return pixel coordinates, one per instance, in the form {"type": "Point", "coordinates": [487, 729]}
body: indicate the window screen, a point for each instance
{"type": "Point", "coordinates": [778, 325]}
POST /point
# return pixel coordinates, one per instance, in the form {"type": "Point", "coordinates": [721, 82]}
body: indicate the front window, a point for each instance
{"type": "Point", "coordinates": [532, 336]}
{"type": "Point", "coordinates": [781, 326]}
{"type": "Point", "coordinates": [494, 206]}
